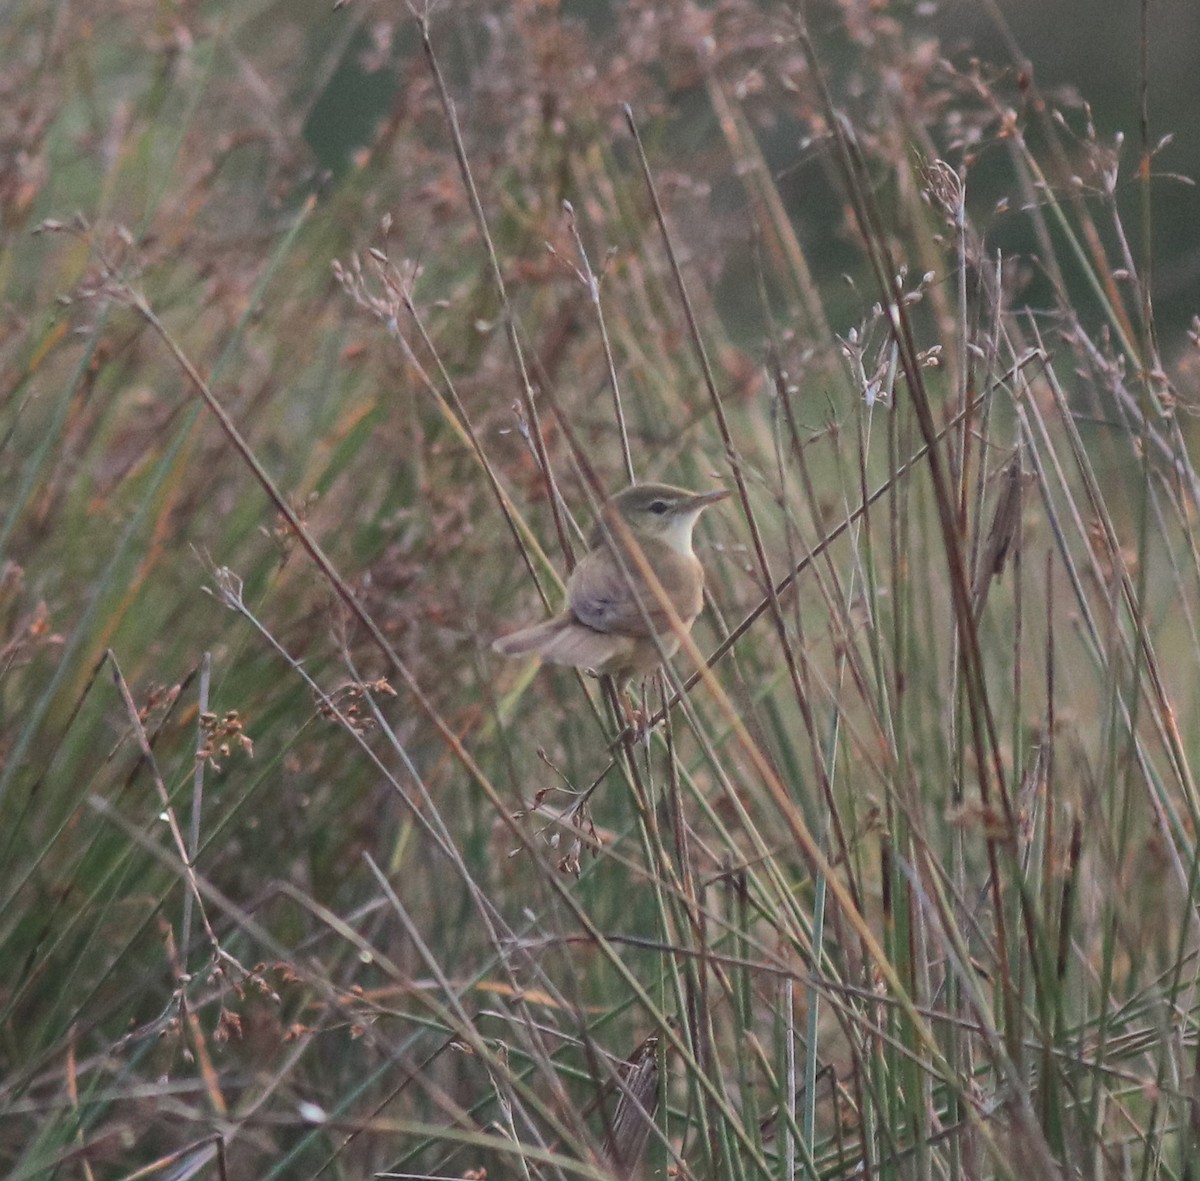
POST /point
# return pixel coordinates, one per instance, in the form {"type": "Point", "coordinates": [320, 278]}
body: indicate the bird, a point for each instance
{"type": "Point", "coordinates": [614, 623]}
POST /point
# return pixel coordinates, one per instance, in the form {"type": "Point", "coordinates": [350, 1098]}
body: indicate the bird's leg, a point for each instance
{"type": "Point", "coordinates": [637, 718]}
{"type": "Point", "coordinates": [647, 711]}
{"type": "Point", "coordinates": [625, 712]}
{"type": "Point", "coordinates": [634, 718]}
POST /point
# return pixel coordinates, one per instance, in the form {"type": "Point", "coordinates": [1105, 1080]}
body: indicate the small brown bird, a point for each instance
{"type": "Point", "coordinates": [611, 621]}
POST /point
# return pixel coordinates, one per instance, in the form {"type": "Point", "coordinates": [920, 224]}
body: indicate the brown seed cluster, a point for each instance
{"type": "Point", "coordinates": [220, 735]}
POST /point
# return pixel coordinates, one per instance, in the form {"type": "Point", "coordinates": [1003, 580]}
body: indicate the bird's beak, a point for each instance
{"type": "Point", "coordinates": [704, 499]}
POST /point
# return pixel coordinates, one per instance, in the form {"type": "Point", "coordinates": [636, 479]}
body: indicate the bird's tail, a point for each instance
{"type": "Point", "coordinates": [528, 639]}
{"type": "Point", "coordinates": [561, 640]}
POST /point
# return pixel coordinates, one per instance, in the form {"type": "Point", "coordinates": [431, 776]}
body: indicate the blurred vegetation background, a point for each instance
{"type": "Point", "coordinates": [1096, 51]}
{"type": "Point", "coordinates": [316, 324]}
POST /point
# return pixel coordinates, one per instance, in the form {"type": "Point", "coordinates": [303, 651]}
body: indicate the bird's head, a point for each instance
{"type": "Point", "coordinates": [662, 512]}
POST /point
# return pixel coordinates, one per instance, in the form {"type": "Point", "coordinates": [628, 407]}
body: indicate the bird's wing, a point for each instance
{"type": "Point", "coordinates": [599, 594]}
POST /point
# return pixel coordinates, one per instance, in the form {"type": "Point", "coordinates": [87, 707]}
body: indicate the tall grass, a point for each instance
{"type": "Point", "coordinates": [298, 879]}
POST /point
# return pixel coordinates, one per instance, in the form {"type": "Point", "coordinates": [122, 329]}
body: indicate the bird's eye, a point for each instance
{"type": "Point", "coordinates": [658, 506]}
